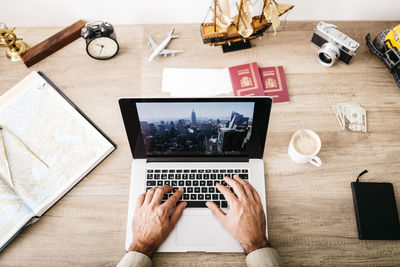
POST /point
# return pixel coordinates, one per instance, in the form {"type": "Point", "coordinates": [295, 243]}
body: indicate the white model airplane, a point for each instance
{"type": "Point", "coordinates": [160, 49]}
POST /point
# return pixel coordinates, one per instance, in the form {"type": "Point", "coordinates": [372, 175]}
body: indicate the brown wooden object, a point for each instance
{"type": "Point", "coordinates": [311, 218]}
{"type": "Point", "coordinates": [53, 43]}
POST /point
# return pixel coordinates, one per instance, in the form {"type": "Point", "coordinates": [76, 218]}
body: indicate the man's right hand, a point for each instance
{"type": "Point", "coordinates": [153, 221]}
{"type": "Point", "coordinates": [245, 219]}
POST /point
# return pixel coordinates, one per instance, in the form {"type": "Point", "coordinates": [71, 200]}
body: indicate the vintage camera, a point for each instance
{"type": "Point", "coordinates": [333, 45]}
{"type": "Point", "coordinates": [97, 29]}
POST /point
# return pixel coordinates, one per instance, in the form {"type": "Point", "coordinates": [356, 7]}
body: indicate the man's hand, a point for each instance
{"type": "Point", "coordinates": [152, 221]}
{"type": "Point", "coordinates": [245, 219]}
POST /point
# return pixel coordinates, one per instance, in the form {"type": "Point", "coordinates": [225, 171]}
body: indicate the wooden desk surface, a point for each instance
{"type": "Point", "coordinates": [310, 210]}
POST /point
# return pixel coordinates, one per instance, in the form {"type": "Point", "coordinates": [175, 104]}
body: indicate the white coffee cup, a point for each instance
{"type": "Point", "coordinates": [309, 150]}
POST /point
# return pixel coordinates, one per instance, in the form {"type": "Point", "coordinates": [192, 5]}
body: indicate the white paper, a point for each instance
{"type": "Point", "coordinates": [196, 82]}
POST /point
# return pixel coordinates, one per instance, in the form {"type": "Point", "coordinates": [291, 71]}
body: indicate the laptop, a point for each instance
{"type": "Point", "coordinates": [194, 143]}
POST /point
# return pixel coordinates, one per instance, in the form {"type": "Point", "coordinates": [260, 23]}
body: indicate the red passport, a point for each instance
{"type": "Point", "coordinates": [246, 80]}
{"type": "Point", "coordinates": [274, 82]}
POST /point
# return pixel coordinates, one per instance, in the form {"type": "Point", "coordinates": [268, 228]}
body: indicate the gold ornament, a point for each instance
{"type": "Point", "coordinates": [15, 48]}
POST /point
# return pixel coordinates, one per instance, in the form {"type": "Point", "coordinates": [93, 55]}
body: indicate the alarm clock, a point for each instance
{"type": "Point", "coordinates": [101, 41]}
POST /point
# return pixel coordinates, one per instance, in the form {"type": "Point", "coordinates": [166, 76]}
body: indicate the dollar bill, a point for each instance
{"type": "Point", "coordinates": [338, 116]}
{"type": "Point", "coordinates": [351, 116]}
{"type": "Point", "coordinates": [354, 118]}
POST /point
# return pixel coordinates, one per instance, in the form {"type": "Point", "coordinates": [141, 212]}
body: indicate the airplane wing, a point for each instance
{"type": "Point", "coordinates": [153, 44]}
{"type": "Point", "coordinates": [166, 52]}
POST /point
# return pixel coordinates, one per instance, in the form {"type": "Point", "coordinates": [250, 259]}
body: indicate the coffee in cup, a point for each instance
{"type": "Point", "coordinates": [303, 149]}
{"type": "Point", "coordinates": [306, 144]}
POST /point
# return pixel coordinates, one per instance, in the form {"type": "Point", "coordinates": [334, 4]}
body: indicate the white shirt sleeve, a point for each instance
{"type": "Point", "coordinates": [264, 257]}
{"type": "Point", "coordinates": [135, 259]}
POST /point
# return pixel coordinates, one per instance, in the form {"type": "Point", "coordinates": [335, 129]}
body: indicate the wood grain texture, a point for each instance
{"type": "Point", "coordinates": [310, 210]}
{"type": "Point", "coordinates": [53, 43]}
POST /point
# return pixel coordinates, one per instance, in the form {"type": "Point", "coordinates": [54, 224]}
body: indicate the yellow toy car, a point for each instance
{"type": "Point", "coordinates": [392, 39]}
{"type": "Point", "coordinates": [386, 46]}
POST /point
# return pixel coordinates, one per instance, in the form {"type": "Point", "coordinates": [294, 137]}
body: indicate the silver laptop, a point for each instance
{"type": "Point", "coordinates": [194, 143]}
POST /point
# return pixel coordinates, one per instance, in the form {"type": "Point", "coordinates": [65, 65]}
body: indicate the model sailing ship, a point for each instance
{"type": "Point", "coordinates": [234, 22]}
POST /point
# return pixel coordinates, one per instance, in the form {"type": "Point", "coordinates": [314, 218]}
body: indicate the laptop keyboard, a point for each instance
{"type": "Point", "coordinates": [199, 184]}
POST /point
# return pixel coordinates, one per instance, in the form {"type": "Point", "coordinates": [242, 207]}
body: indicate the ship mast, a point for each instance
{"type": "Point", "coordinates": [215, 15]}
{"type": "Point", "coordinates": [240, 8]}
{"type": "Point", "coordinates": [262, 10]}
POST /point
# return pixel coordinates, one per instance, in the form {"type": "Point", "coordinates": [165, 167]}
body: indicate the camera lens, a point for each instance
{"type": "Point", "coordinates": [325, 58]}
{"type": "Point", "coordinates": [328, 54]}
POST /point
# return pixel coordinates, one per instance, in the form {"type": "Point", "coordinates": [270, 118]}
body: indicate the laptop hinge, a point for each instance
{"type": "Point", "coordinates": [198, 159]}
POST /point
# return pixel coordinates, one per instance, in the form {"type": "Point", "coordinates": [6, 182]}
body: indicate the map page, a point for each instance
{"type": "Point", "coordinates": [40, 125]}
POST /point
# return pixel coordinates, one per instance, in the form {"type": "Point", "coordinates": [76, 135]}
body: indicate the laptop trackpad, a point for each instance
{"type": "Point", "coordinates": [197, 231]}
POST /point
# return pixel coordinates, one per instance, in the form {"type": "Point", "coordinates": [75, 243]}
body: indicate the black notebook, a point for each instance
{"type": "Point", "coordinates": [376, 211]}
{"type": "Point", "coordinates": [47, 146]}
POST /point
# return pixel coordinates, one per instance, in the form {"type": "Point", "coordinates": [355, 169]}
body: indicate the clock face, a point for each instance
{"type": "Point", "coordinates": [102, 48]}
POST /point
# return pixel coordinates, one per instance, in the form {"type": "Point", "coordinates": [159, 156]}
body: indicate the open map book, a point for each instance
{"type": "Point", "coordinates": [52, 127]}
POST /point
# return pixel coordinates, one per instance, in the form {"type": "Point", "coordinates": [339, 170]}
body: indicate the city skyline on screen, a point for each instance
{"type": "Point", "coordinates": [174, 111]}
{"type": "Point", "coordinates": [210, 128]}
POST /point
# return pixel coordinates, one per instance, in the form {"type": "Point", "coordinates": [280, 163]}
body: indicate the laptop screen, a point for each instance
{"type": "Point", "coordinates": [196, 128]}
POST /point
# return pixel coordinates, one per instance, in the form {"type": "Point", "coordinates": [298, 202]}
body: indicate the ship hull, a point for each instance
{"type": "Point", "coordinates": [212, 37]}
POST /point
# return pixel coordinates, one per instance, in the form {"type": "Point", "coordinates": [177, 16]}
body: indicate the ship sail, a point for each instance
{"type": "Point", "coordinates": [240, 20]}
{"type": "Point", "coordinates": [273, 10]}
{"type": "Point", "coordinates": [244, 19]}
{"type": "Point", "coordinates": [223, 14]}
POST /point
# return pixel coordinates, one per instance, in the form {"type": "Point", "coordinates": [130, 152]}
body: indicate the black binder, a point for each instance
{"type": "Point", "coordinates": [376, 210]}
